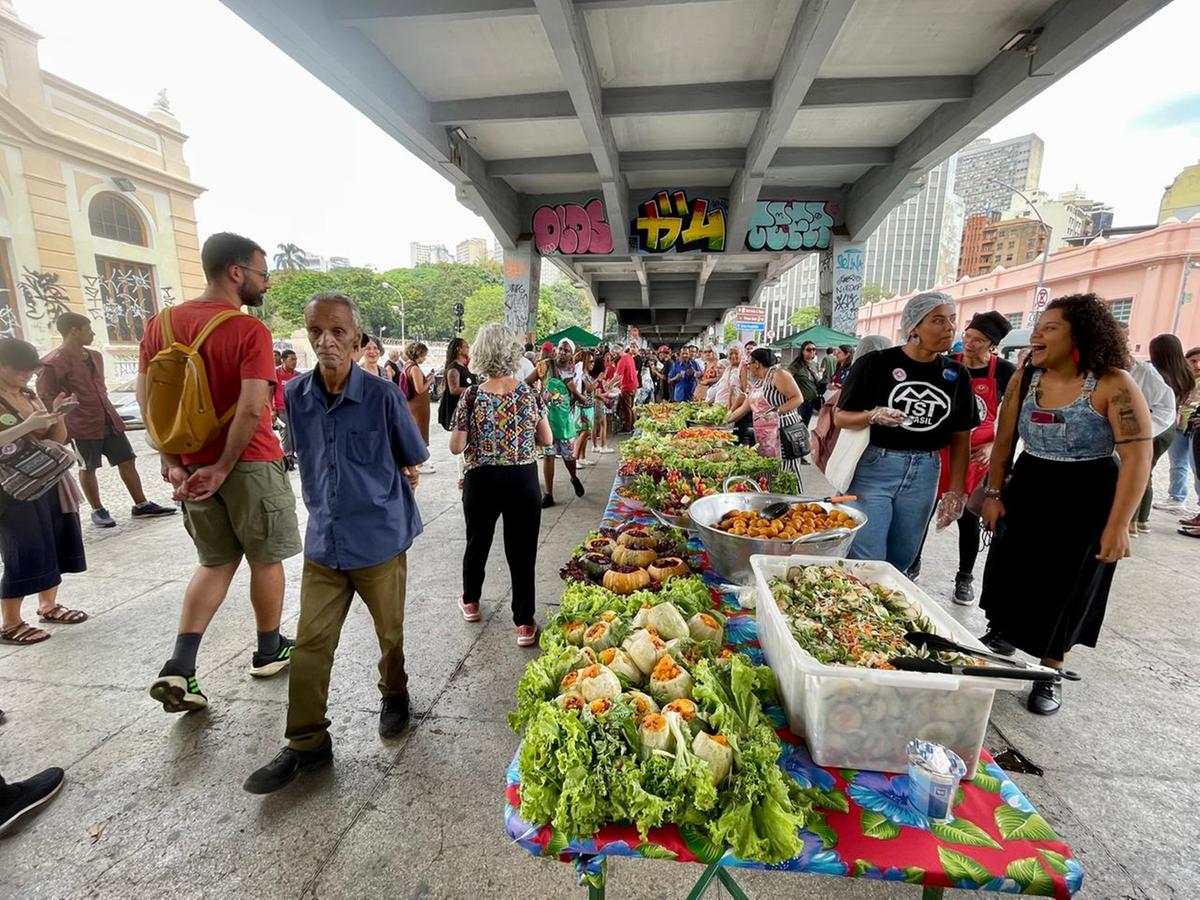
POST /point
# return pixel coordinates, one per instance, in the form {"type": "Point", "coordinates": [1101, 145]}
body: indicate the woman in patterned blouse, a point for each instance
{"type": "Point", "coordinates": [498, 426]}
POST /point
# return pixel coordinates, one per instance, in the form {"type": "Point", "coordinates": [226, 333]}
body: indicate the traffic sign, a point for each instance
{"type": "Point", "coordinates": [750, 318]}
{"type": "Point", "coordinates": [1041, 298]}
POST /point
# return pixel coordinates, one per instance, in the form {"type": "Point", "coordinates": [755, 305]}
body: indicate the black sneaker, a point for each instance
{"type": "Point", "coordinates": [964, 591]}
{"type": "Point", "coordinates": [177, 689]}
{"type": "Point", "coordinates": [393, 715]}
{"type": "Point", "coordinates": [20, 798]}
{"type": "Point", "coordinates": [102, 519]}
{"type": "Point", "coordinates": [578, 485]}
{"type": "Point", "coordinates": [914, 571]}
{"type": "Point", "coordinates": [149, 510]}
{"type": "Point", "coordinates": [289, 463]}
{"type": "Point", "coordinates": [1046, 698]}
{"type": "Point", "coordinates": [268, 664]}
{"type": "Point", "coordinates": [286, 766]}
{"type": "Point", "coordinates": [547, 501]}
{"type": "Point", "coordinates": [992, 640]}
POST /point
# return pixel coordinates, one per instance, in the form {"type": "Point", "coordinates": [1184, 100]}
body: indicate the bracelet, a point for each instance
{"type": "Point", "coordinates": [991, 493]}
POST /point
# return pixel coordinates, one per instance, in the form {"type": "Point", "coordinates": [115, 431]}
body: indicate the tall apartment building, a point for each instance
{"type": "Point", "coordinates": [428, 254]}
{"type": "Point", "coordinates": [797, 287]}
{"type": "Point", "coordinates": [1070, 215]}
{"type": "Point", "coordinates": [471, 251]}
{"type": "Point", "coordinates": [1016, 162]}
{"type": "Point", "coordinates": [999, 242]}
{"type": "Point", "coordinates": [972, 244]}
{"type": "Point", "coordinates": [916, 247]}
{"type": "Point", "coordinates": [497, 251]}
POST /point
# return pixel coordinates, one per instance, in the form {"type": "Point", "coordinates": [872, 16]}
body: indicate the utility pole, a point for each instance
{"type": "Point", "coordinates": [394, 290]}
{"type": "Point", "coordinates": [1045, 247]}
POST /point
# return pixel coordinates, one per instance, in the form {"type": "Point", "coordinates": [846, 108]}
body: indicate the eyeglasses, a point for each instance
{"type": "Point", "coordinates": [265, 273]}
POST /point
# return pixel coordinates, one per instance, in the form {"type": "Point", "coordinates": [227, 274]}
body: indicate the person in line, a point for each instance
{"type": "Point", "coordinates": [828, 365]}
{"type": "Point", "coordinates": [916, 402]}
{"type": "Point", "coordinates": [557, 377]}
{"type": "Point", "coordinates": [583, 413]}
{"type": "Point", "coordinates": [40, 538]}
{"type": "Point", "coordinates": [283, 374]}
{"type": "Point", "coordinates": [19, 799]}
{"type": "Point", "coordinates": [417, 387]}
{"type": "Point", "coordinates": [770, 394]}
{"type": "Point", "coordinates": [710, 373]}
{"type": "Point", "coordinates": [751, 346]}
{"type": "Point", "coordinates": [237, 501]}
{"type": "Point", "coordinates": [499, 429]}
{"type": "Point", "coordinates": [394, 366]}
{"type": "Point", "coordinates": [845, 359]}
{"type": "Point", "coordinates": [359, 449]}
{"type": "Point", "coordinates": [1072, 408]}
{"type": "Point", "coordinates": [627, 377]}
{"type": "Point", "coordinates": [989, 380]}
{"type": "Point", "coordinates": [525, 365]}
{"type": "Point", "coordinates": [94, 425]}
{"type": "Point", "coordinates": [458, 377]}
{"type": "Point", "coordinates": [372, 358]}
{"type": "Point", "coordinates": [1180, 451]}
{"type": "Point", "coordinates": [801, 371]}
{"type": "Point", "coordinates": [599, 405]}
{"type": "Point", "coordinates": [1168, 363]}
{"type": "Point", "coordinates": [683, 374]}
{"type": "Point", "coordinates": [730, 393]}
{"type": "Point", "coordinates": [660, 368]}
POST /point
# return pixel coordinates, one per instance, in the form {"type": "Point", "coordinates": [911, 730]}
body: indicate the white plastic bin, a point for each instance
{"type": "Point", "coordinates": [859, 718]}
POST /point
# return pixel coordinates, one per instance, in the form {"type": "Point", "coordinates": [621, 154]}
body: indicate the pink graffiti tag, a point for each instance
{"type": "Point", "coordinates": [572, 229]}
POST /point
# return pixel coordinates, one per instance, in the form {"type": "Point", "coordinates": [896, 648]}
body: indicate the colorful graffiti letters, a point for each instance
{"type": "Point", "coordinates": [671, 222]}
{"type": "Point", "coordinates": [790, 225]}
{"type": "Point", "coordinates": [572, 229]}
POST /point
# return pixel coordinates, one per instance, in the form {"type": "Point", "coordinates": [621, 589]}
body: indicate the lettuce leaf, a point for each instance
{"type": "Point", "coordinates": [540, 682]}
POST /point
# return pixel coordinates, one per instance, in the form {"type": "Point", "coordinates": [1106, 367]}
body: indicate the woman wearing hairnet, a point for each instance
{"type": "Point", "coordinates": [916, 401]}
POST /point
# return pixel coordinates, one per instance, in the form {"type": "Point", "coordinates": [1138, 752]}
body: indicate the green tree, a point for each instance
{"type": "Point", "coordinates": [728, 332]}
{"type": "Point", "coordinates": [873, 293]}
{"type": "Point", "coordinates": [805, 317]}
{"type": "Point", "coordinates": [484, 305]}
{"type": "Point", "coordinates": [290, 258]}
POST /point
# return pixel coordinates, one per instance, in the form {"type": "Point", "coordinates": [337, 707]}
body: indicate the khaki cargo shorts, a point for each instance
{"type": "Point", "coordinates": [252, 515]}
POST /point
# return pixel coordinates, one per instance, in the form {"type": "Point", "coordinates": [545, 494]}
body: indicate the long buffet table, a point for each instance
{"type": "Point", "coordinates": [996, 842]}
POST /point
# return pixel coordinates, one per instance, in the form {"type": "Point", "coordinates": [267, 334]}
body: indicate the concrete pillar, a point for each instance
{"type": "Point", "coordinates": [847, 285]}
{"type": "Point", "coordinates": [522, 279]}
{"type": "Point", "coordinates": [598, 313]}
{"type": "Point", "coordinates": [825, 286]}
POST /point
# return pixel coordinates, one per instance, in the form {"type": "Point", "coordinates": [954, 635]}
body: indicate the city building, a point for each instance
{"type": "Point", "coordinates": [96, 207]}
{"type": "Point", "coordinates": [1181, 198]}
{"type": "Point", "coordinates": [338, 262]}
{"type": "Point", "coordinates": [428, 254]}
{"type": "Point", "coordinates": [315, 263]}
{"type": "Point", "coordinates": [1070, 215]}
{"type": "Point", "coordinates": [471, 251]}
{"type": "Point", "coordinates": [917, 245]}
{"type": "Point", "coordinates": [1007, 243]}
{"type": "Point", "coordinates": [1108, 233]}
{"type": "Point", "coordinates": [797, 287]}
{"type": "Point", "coordinates": [1017, 162]}
{"type": "Point", "coordinates": [1148, 280]}
{"type": "Point", "coordinates": [497, 251]}
{"type": "Point", "coordinates": [972, 244]}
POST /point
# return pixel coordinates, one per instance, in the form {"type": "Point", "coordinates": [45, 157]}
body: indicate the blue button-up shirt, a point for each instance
{"type": "Point", "coordinates": [361, 509]}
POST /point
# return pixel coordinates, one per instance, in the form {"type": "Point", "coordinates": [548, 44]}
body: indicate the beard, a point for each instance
{"type": "Point", "coordinates": [250, 295]}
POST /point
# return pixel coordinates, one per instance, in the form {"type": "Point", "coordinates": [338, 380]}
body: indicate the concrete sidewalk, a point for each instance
{"type": "Point", "coordinates": [154, 807]}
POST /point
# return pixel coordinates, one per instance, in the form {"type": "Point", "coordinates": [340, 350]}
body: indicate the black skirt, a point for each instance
{"type": "Point", "coordinates": [1043, 588]}
{"type": "Point", "coordinates": [38, 542]}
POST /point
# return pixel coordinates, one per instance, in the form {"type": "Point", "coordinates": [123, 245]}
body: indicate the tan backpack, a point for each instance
{"type": "Point", "coordinates": [180, 415]}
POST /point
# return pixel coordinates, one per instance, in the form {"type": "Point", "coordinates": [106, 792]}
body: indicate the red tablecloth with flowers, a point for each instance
{"type": "Point", "coordinates": [996, 841]}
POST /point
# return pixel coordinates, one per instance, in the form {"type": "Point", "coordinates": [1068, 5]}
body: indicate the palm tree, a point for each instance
{"type": "Point", "coordinates": [290, 258]}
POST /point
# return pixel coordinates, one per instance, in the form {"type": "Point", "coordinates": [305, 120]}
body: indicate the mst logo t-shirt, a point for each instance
{"type": "Point", "coordinates": [935, 397]}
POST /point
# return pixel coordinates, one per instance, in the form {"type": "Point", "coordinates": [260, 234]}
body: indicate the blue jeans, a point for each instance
{"type": "Point", "coordinates": [897, 490]}
{"type": "Point", "coordinates": [1180, 455]}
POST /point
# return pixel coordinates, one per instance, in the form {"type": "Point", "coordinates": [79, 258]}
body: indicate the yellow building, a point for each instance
{"type": "Point", "coordinates": [96, 207]}
{"type": "Point", "coordinates": [1181, 198]}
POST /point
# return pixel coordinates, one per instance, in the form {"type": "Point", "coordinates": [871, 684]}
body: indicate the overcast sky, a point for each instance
{"type": "Point", "coordinates": [286, 159]}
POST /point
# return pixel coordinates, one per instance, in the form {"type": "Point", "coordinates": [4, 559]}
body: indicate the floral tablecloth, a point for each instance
{"type": "Point", "coordinates": [996, 841]}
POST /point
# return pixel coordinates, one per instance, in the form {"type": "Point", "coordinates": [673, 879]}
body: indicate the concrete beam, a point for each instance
{"type": "Point", "coordinates": [884, 91]}
{"type": "Point", "coordinates": [366, 10]}
{"type": "Point", "coordinates": [690, 160]}
{"type": "Point", "coordinates": [1074, 30]}
{"type": "Point", "coordinates": [707, 263]}
{"type": "Point", "coordinates": [345, 60]}
{"type": "Point", "coordinates": [801, 157]}
{"type": "Point", "coordinates": [816, 27]}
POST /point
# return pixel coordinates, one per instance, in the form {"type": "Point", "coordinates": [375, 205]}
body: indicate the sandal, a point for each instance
{"type": "Point", "coordinates": [60, 615]}
{"type": "Point", "coordinates": [22, 633]}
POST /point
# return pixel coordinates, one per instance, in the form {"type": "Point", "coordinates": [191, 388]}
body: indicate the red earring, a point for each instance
{"type": "Point", "coordinates": [1075, 356]}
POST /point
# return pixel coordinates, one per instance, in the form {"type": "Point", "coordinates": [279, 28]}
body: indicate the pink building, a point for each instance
{"type": "Point", "coordinates": [1141, 276]}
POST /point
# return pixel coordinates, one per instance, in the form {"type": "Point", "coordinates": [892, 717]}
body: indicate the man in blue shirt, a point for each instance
{"type": "Point", "coordinates": [358, 448]}
{"type": "Point", "coordinates": [683, 375]}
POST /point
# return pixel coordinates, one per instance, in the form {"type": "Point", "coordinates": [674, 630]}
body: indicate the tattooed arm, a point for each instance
{"type": "Point", "coordinates": [1129, 417]}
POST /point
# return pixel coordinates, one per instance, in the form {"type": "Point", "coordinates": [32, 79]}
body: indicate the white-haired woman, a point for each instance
{"type": "Point", "coordinates": [499, 426]}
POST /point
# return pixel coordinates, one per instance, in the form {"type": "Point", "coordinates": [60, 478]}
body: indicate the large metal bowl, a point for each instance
{"type": "Point", "coordinates": [730, 553]}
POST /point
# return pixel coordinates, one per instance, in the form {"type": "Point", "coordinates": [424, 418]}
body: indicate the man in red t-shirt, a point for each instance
{"type": "Point", "coordinates": [628, 374]}
{"type": "Point", "coordinates": [283, 374]}
{"type": "Point", "coordinates": [237, 500]}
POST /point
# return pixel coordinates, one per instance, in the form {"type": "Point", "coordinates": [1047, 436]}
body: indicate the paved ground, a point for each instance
{"type": "Point", "coordinates": [154, 806]}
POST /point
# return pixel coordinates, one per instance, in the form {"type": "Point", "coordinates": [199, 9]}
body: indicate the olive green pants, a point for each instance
{"type": "Point", "coordinates": [325, 596]}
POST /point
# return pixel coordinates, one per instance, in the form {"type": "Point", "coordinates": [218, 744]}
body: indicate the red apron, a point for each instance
{"type": "Point", "coordinates": [988, 400]}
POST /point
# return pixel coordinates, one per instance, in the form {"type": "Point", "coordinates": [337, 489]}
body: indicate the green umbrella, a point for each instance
{"type": "Point", "coordinates": [821, 335]}
{"type": "Point", "coordinates": [577, 335]}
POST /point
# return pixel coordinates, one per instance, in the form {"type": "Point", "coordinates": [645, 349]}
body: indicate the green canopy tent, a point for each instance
{"type": "Point", "coordinates": [577, 335]}
{"type": "Point", "coordinates": [821, 335]}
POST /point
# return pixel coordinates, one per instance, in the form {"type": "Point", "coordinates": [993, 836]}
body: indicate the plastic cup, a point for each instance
{"type": "Point", "coordinates": [933, 790]}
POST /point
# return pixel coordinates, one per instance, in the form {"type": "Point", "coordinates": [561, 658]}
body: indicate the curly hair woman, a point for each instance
{"type": "Point", "coordinates": [1061, 520]}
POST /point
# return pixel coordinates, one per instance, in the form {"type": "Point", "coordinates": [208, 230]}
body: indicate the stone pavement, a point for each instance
{"type": "Point", "coordinates": [153, 806]}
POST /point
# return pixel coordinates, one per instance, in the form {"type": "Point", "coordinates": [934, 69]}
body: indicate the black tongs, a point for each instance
{"type": "Point", "coordinates": [935, 642]}
{"type": "Point", "coordinates": [921, 664]}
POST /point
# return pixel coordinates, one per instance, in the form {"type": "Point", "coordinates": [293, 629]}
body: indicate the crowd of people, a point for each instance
{"type": "Point", "coordinates": [918, 433]}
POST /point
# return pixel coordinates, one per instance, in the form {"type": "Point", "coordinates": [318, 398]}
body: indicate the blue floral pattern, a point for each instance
{"type": "Point", "coordinates": [887, 795]}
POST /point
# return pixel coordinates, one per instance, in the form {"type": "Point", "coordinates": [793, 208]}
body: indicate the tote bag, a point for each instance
{"type": "Point", "coordinates": [851, 444]}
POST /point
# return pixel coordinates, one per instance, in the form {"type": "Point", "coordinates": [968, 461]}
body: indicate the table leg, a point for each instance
{"type": "Point", "coordinates": [732, 886]}
{"type": "Point", "coordinates": [932, 893]}
{"type": "Point", "coordinates": [595, 893]}
{"type": "Point", "coordinates": [702, 884]}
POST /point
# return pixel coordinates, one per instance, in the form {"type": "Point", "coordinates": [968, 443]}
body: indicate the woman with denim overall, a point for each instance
{"type": "Point", "coordinates": [1061, 520]}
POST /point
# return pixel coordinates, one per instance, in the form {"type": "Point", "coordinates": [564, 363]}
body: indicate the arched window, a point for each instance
{"type": "Point", "coordinates": [113, 217]}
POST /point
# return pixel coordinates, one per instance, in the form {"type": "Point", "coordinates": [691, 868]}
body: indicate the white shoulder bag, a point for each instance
{"type": "Point", "coordinates": [851, 442]}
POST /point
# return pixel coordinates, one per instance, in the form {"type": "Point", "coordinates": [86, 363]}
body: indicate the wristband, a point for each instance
{"type": "Point", "coordinates": [991, 493]}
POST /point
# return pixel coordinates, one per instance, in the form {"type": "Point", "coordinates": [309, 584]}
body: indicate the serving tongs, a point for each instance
{"type": "Point", "coordinates": [921, 664]}
{"type": "Point", "coordinates": [936, 642]}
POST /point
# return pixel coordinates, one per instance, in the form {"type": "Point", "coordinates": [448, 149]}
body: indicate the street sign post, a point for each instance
{"type": "Point", "coordinates": [750, 318]}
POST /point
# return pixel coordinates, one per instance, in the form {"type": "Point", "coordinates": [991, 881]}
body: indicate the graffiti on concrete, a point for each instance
{"type": "Point", "coordinates": [669, 221]}
{"type": "Point", "coordinates": [790, 225]}
{"type": "Point", "coordinates": [166, 297]}
{"type": "Point", "coordinates": [572, 229]}
{"type": "Point", "coordinates": [10, 327]}
{"type": "Point", "coordinates": [123, 296]}
{"type": "Point", "coordinates": [847, 288]}
{"type": "Point", "coordinates": [44, 297]}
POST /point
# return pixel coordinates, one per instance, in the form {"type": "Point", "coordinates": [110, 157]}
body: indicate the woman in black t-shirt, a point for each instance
{"type": "Point", "coordinates": [915, 401]}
